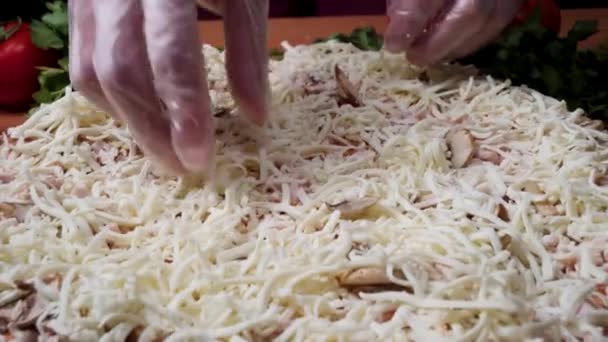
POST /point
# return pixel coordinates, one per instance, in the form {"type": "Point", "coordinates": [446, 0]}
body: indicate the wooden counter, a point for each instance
{"type": "Point", "coordinates": [305, 30]}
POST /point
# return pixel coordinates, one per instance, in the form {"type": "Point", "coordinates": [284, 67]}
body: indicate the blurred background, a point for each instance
{"type": "Point", "coordinates": [279, 8]}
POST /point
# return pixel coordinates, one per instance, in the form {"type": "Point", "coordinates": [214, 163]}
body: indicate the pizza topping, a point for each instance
{"type": "Point", "coordinates": [19, 317]}
{"type": "Point", "coordinates": [462, 146]}
{"type": "Point", "coordinates": [502, 212]}
{"type": "Point", "coordinates": [600, 179]}
{"type": "Point", "coordinates": [355, 207]}
{"type": "Point", "coordinates": [365, 276]}
{"type": "Point", "coordinates": [547, 209]}
{"type": "Point", "coordinates": [426, 201]}
{"type": "Point", "coordinates": [347, 92]}
{"type": "Point", "coordinates": [489, 156]}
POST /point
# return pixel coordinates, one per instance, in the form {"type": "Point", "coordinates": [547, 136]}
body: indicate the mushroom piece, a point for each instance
{"type": "Point", "coordinates": [505, 241]}
{"type": "Point", "coordinates": [354, 207]}
{"type": "Point", "coordinates": [600, 179]}
{"type": "Point", "coordinates": [346, 90]}
{"type": "Point", "coordinates": [18, 318]}
{"type": "Point", "coordinates": [27, 312]}
{"type": "Point", "coordinates": [502, 212]}
{"type": "Point", "coordinates": [547, 209]}
{"type": "Point", "coordinates": [462, 145]}
{"type": "Point", "coordinates": [489, 156]}
{"type": "Point", "coordinates": [365, 276]}
{"type": "Point", "coordinates": [426, 201]}
{"type": "Point", "coordinates": [532, 187]}
{"type": "Point", "coordinates": [387, 315]}
{"type": "Point", "coordinates": [516, 247]}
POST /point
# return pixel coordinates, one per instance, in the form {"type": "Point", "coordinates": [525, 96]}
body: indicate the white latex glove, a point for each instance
{"type": "Point", "coordinates": [141, 61]}
{"type": "Point", "coordinates": [430, 31]}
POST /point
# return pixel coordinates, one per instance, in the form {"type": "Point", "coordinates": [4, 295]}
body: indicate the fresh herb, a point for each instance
{"type": "Point", "coordinates": [364, 38]}
{"type": "Point", "coordinates": [53, 82]}
{"type": "Point", "coordinates": [276, 53]}
{"type": "Point", "coordinates": [51, 32]}
{"type": "Point", "coordinates": [533, 55]}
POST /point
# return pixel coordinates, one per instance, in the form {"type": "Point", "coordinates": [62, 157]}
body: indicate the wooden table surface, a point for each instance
{"type": "Point", "coordinates": [305, 30]}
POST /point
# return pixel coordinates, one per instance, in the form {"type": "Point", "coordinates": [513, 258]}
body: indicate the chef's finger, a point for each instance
{"type": "Point", "coordinates": [82, 43]}
{"type": "Point", "coordinates": [503, 14]}
{"type": "Point", "coordinates": [245, 25]}
{"type": "Point", "coordinates": [467, 18]}
{"type": "Point", "coordinates": [121, 63]}
{"type": "Point", "coordinates": [179, 77]}
{"type": "Point", "coordinates": [408, 19]}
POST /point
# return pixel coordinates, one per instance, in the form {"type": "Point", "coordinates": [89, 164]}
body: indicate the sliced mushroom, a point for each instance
{"type": "Point", "coordinates": [365, 276]}
{"type": "Point", "coordinates": [378, 288]}
{"type": "Point", "coordinates": [355, 207]}
{"type": "Point", "coordinates": [502, 212]}
{"type": "Point", "coordinates": [346, 90]}
{"type": "Point", "coordinates": [505, 241]}
{"type": "Point", "coordinates": [24, 286]}
{"type": "Point", "coordinates": [532, 187]}
{"type": "Point", "coordinates": [462, 146]}
{"type": "Point", "coordinates": [28, 311]}
{"type": "Point", "coordinates": [601, 180]}
{"type": "Point", "coordinates": [387, 315]}
{"type": "Point", "coordinates": [489, 156]}
{"type": "Point", "coordinates": [516, 248]}
{"type": "Point", "coordinates": [134, 334]}
{"type": "Point", "coordinates": [426, 201]}
{"type": "Point", "coordinates": [547, 209]}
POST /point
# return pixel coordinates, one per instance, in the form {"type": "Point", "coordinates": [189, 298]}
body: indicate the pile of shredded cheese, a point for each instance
{"type": "Point", "coordinates": [333, 222]}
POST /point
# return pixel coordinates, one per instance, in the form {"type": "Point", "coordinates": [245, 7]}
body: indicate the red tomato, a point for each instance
{"type": "Point", "coordinates": [550, 13]}
{"type": "Point", "coordinates": [19, 59]}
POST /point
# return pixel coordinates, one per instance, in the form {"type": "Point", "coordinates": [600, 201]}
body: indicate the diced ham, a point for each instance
{"type": "Point", "coordinates": [54, 181]}
{"type": "Point", "coordinates": [80, 191]}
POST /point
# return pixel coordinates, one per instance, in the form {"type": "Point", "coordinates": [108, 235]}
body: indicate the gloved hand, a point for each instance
{"type": "Point", "coordinates": [141, 61]}
{"type": "Point", "coordinates": [430, 31]}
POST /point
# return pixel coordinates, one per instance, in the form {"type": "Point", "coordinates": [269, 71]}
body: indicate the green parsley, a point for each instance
{"type": "Point", "coordinates": [51, 32]}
